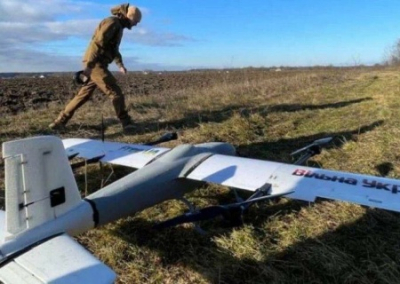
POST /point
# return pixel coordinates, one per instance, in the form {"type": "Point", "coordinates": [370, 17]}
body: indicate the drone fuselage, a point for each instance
{"type": "Point", "coordinates": [152, 184]}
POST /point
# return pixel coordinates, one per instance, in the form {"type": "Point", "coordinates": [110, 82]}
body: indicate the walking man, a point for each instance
{"type": "Point", "coordinates": [102, 50]}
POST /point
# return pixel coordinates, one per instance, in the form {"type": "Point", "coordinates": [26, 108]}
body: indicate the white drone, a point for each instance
{"type": "Point", "coordinates": [44, 208]}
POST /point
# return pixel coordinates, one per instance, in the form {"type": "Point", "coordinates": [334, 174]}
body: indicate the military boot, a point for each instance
{"type": "Point", "coordinates": [60, 122]}
{"type": "Point", "coordinates": [128, 126]}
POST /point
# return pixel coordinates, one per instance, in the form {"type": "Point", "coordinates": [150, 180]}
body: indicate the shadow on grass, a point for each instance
{"type": "Point", "coordinates": [190, 120]}
{"type": "Point", "coordinates": [280, 150]}
{"type": "Point", "coordinates": [300, 107]}
{"type": "Point", "coordinates": [365, 251]}
{"type": "Point", "coordinates": [185, 246]}
{"type": "Point", "coordinates": [193, 119]}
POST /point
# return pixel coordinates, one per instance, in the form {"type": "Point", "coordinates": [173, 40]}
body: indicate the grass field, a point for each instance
{"type": "Point", "coordinates": [266, 117]}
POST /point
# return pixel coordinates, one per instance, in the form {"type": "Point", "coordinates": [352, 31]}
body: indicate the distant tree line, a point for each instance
{"type": "Point", "coordinates": [392, 56]}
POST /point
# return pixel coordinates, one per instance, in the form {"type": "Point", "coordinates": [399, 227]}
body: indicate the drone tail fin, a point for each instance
{"type": "Point", "coordinates": [39, 182]}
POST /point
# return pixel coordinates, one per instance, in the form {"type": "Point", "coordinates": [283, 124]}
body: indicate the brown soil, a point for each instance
{"type": "Point", "coordinates": [24, 93]}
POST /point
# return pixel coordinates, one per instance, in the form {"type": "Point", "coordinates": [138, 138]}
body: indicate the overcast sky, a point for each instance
{"type": "Point", "coordinates": [52, 35]}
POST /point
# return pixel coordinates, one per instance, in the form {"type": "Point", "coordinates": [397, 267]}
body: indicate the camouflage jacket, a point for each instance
{"type": "Point", "coordinates": [104, 46]}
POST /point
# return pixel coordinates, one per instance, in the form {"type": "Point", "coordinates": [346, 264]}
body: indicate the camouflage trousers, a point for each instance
{"type": "Point", "coordinates": [100, 78]}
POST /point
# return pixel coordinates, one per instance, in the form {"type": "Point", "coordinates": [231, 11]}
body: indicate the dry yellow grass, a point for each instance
{"type": "Point", "coordinates": [265, 116]}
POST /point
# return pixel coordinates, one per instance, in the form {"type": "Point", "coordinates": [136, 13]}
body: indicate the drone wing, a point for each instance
{"type": "Point", "coordinates": [124, 154]}
{"type": "Point", "coordinates": [59, 260]}
{"type": "Point", "coordinates": [307, 183]}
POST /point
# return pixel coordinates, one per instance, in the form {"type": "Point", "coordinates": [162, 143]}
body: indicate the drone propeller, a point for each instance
{"type": "Point", "coordinates": [318, 143]}
{"type": "Point", "coordinates": [169, 136]}
{"type": "Point", "coordinates": [231, 212]}
{"type": "Point", "coordinates": [311, 150]}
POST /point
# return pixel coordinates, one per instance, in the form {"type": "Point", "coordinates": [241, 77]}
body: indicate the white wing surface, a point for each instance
{"type": "Point", "coordinates": [243, 173]}
{"type": "Point", "coordinates": [60, 260]}
{"type": "Point", "coordinates": [307, 183]}
{"type": "Point", "coordinates": [124, 154]}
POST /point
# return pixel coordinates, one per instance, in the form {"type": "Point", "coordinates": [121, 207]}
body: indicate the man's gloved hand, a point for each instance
{"type": "Point", "coordinates": [87, 71]}
{"type": "Point", "coordinates": [81, 78]}
{"type": "Point", "coordinates": [123, 70]}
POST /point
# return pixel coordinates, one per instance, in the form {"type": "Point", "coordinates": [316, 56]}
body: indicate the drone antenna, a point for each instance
{"type": "Point", "coordinates": [102, 128]}
{"type": "Point", "coordinates": [102, 140]}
